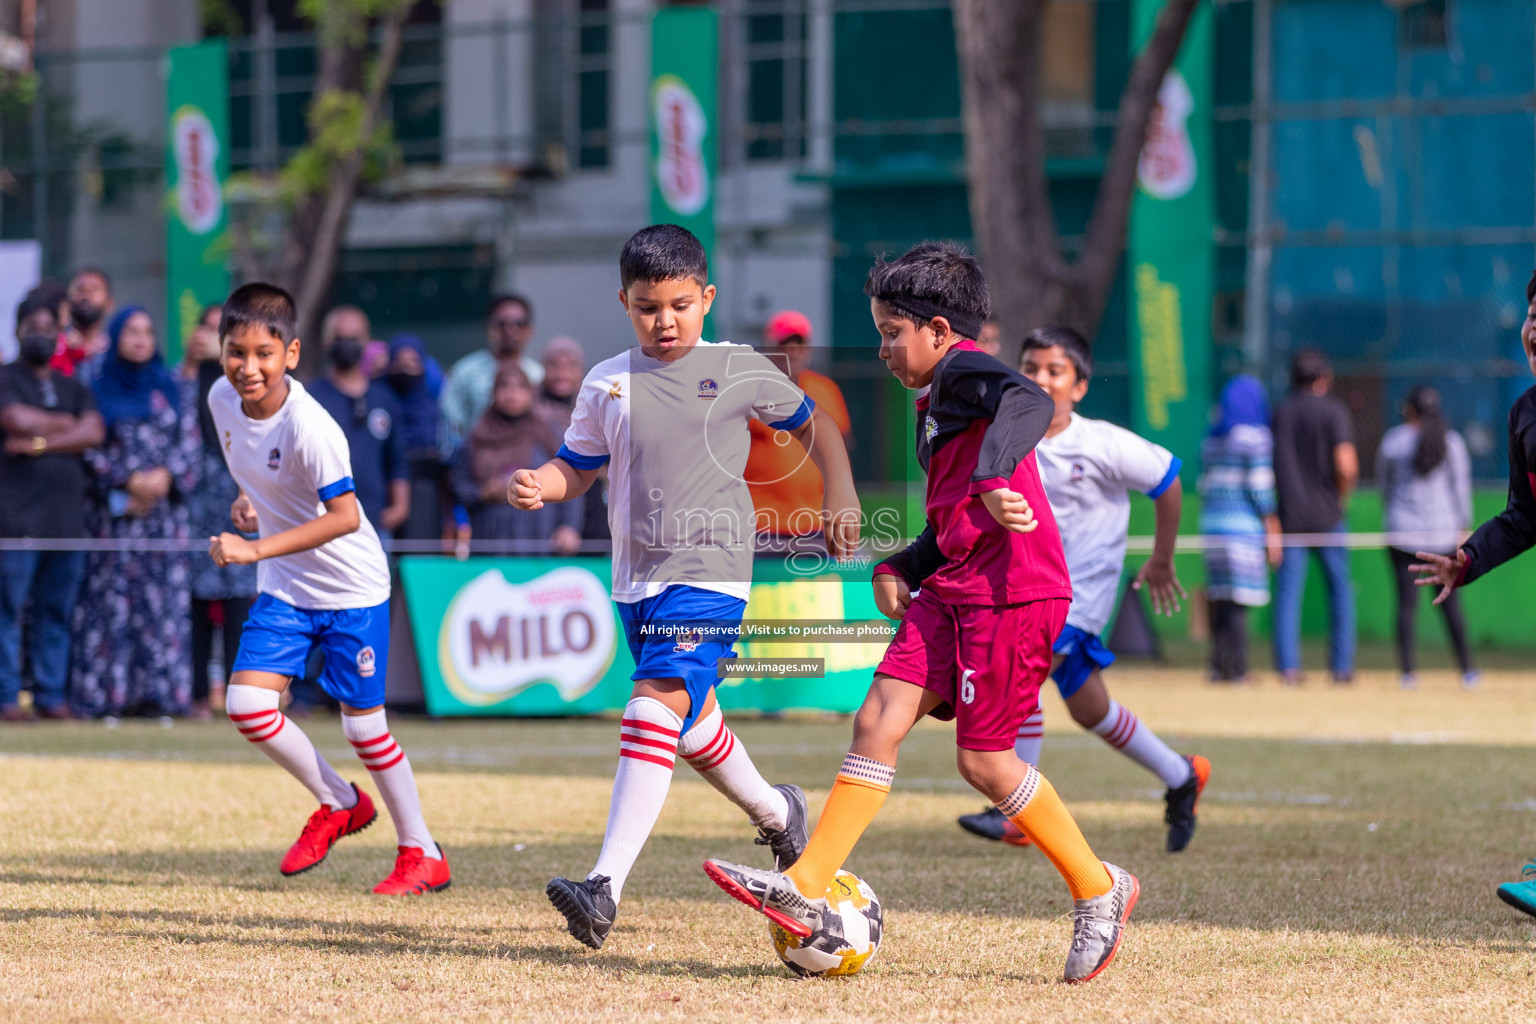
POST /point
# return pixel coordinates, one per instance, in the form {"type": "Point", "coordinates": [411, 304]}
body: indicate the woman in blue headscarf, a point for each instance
{"type": "Point", "coordinates": [1237, 492]}
{"type": "Point", "coordinates": [417, 380]}
{"type": "Point", "coordinates": [131, 650]}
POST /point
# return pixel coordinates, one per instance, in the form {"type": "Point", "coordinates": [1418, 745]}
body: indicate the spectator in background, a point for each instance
{"type": "Point", "coordinates": [369, 415]}
{"type": "Point", "coordinates": [90, 305]}
{"type": "Point", "coordinates": [1425, 475]}
{"type": "Point", "coordinates": [513, 435]}
{"type": "Point", "coordinates": [48, 420]}
{"type": "Point", "coordinates": [133, 629]}
{"type": "Point", "coordinates": [786, 486]}
{"type": "Point", "coordinates": [508, 328]}
{"type": "Point", "coordinates": [375, 361]}
{"type": "Point", "coordinates": [565, 366]}
{"type": "Point", "coordinates": [1316, 468]}
{"type": "Point", "coordinates": [417, 382]}
{"type": "Point", "coordinates": [990, 339]}
{"type": "Point", "coordinates": [221, 597]}
{"type": "Point", "coordinates": [1237, 505]}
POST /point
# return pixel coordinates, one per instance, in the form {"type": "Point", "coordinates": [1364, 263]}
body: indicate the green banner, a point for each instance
{"type": "Point", "coordinates": [196, 167]}
{"type": "Point", "coordinates": [684, 77]}
{"type": "Point", "coordinates": [540, 636]}
{"type": "Point", "coordinates": [1171, 257]}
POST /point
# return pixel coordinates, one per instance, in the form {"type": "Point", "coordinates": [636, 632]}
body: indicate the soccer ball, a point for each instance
{"type": "Point", "coordinates": [847, 939]}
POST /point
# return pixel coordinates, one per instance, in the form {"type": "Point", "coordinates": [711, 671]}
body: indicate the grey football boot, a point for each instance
{"type": "Point", "coordinates": [1098, 924]}
{"type": "Point", "coordinates": [770, 892]}
{"type": "Point", "coordinates": [588, 907]}
{"type": "Point", "coordinates": [788, 843]}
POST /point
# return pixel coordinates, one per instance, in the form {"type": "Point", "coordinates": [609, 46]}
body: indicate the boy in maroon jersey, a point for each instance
{"type": "Point", "coordinates": [975, 642]}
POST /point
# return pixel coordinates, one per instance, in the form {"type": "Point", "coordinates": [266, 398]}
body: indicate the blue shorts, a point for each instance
{"type": "Point", "coordinates": [278, 637]}
{"type": "Point", "coordinates": [1084, 652]}
{"type": "Point", "coordinates": [682, 633]}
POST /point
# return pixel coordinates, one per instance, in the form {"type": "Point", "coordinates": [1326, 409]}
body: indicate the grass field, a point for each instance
{"type": "Point", "coordinates": [1344, 869]}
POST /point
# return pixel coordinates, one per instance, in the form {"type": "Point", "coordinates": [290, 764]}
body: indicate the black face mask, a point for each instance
{"type": "Point", "coordinates": [403, 383]}
{"type": "Point", "coordinates": [37, 349]}
{"type": "Point", "coordinates": [85, 315]}
{"type": "Point", "coordinates": [346, 352]}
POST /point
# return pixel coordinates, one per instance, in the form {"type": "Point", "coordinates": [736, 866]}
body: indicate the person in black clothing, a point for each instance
{"type": "Point", "coordinates": [48, 420]}
{"type": "Point", "coordinates": [369, 415]}
{"type": "Point", "coordinates": [1510, 533]}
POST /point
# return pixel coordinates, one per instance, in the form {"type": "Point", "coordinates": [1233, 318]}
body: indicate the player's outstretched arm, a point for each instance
{"type": "Point", "coordinates": [841, 513]}
{"type": "Point", "coordinates": [1443, 571]}
{"type": "Point", "coordinates": [556, 480]}
{"type": "Point", "coordinates": [1158, 574]}
{"type": "Point", "coordinates": [341, 517]}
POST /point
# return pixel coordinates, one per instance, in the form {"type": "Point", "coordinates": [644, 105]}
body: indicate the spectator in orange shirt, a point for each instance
{"type": "Point", "coordinates": [786, 486]}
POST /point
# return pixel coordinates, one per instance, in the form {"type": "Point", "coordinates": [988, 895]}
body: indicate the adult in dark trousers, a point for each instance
{"type": "Point", "coordinates": [48, 420]}
{"type": "Point", "coordinates": [1316, 468]}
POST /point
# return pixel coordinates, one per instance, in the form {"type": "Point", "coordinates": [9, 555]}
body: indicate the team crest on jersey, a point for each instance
{"type": "Point", "coordinates": [931, 428]}
{"type": "Point", "coordinates": [708, 389]}
{"type": "Point", "coordinates": [688, 644]}
{"type": "Point", "coordinates": [1078, 472]}
{"type": "Point", "coordinates": [274, 458]}
{"type": "Point", "coordinates": [365, 662]}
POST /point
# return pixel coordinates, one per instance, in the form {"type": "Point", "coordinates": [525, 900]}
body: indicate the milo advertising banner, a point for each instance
{"type": "Point", "coordinates": [540, 636]}
{"type": "Point", "coordinates": [196, 167]}
{"type": "Point", "coordinates": [1171, 259]}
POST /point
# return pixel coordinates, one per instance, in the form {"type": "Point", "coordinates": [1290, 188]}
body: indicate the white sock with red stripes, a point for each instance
{"type": "Point", "coordinates": [1030, 738]}
{"type": "Point", "coordinates": [647, 750]}
{"type": "Point", "coordinates": [381, 755]}
{"type": "Point", "coordinates": [254, 710]}
{"type": "Point", "coordinates": [1123, 731]}
{"type": "Point", "coordinates": [715, 753]}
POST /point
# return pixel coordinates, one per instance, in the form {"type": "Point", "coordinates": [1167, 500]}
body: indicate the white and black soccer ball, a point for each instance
{"type": "Point", "coordinates": [847, 939]}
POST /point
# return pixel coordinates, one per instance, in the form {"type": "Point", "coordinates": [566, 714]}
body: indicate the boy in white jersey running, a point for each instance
{"type": "Point", "coordinates": [1089, 468]}
{"type": "Point", "coordinates": [322, 578]}
{"type": "Point", "coordinates": [672, 416]}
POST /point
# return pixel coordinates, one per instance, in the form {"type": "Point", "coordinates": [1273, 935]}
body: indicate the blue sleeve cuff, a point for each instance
{"type": "Point", "coordinates": [337, 489]}
{"type": "Point", "coordinates": [799, 416]}
{"type": "Point", "coordinates": [579, 460]}
{"type": "Point", "coordinates": [1168, 478]}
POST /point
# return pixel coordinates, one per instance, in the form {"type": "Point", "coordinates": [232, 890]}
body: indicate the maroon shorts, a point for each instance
{"type": "Point", "coordinates": [986, 662]}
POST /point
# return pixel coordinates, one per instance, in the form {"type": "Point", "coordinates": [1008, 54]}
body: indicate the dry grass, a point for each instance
{"type": "Point", "coordinates": [1339, 873]}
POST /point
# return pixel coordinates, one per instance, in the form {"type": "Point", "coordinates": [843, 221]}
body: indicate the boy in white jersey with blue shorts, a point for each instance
{"type": "Point", "coordinates": [322, 578]}
{"type": "Point", "coordinates": [1089, 467]}
{"type": "Point", "coordinates": [672, 416]}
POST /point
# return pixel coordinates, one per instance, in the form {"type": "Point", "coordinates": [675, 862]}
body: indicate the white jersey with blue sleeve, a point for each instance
{"type": "Point", "coordinates": [289, 465]}
{"type": "Point", "coordinates": [1089, 470]}
{"type": "Point", "coordinates": [675, 438]}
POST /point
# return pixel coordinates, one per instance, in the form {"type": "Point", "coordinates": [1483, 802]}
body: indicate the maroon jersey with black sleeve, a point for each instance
{"type": "Point", "coordinates": [1514, 530]}
{"type": "Point", "coordinates": [976, 431]}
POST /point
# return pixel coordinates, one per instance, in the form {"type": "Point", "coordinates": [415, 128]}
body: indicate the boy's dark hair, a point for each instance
{"type": "Point", "coordinates": [1530, 289]}
{"type": "Point", "coordinates": [106, 278]}
{"type": "Point", "coordinates": [1076, 347]}
{"type": "Point", "coordinates": [1308, 366]}
{"type": "Point", "coordinates": [933, 279]}
{"type": "Point", "coordinates": [36, 300]}
{"type": "Point", "coordinates": [260, 305]}
{"type": "Point", "coordinates": [663, 252]}
{"type": "Point", "coordinates": [501, 299]}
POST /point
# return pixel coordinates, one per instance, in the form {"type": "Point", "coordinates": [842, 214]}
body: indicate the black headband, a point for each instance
{"type": "Point", "coordinates": [967, 325]}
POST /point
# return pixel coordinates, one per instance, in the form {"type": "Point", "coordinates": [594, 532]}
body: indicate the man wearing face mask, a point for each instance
{"type": "Point", "coordinates": [90, 307]}
{"type": "Point", "coordinates": [370, 417]}
{"type": "Point", "coordinates": [508, 329]}
{"type": "Point", "coordinates": [48, 421]}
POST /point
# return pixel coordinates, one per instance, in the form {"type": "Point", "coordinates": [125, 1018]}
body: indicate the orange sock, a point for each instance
{"type": "Point", "coordinates": [856, 796]}
{"type": "Point", "coordinates": [1041, 815]}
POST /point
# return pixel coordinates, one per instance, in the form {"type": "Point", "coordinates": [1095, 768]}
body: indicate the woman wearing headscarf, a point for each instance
{"type": "Point", "coordinates": [417, 380]}
{"type": "Point", "coordinates": [1237, 511]}
{"type": "Point", "coordinates": [221, 597]}
{"type": "Point", "coordinates": [513, 434]}
{"type": "Point", "coordinates": [1425, 475]}
{"type": "Point", "coordinates": [133, 626]}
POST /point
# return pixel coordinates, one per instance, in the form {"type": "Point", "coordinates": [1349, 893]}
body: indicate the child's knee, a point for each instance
{"type": "Point", "coordinates": [986, 770]}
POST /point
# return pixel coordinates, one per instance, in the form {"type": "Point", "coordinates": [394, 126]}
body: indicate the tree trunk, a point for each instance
{"type": "Point", "coordinates": [1032, 283]}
